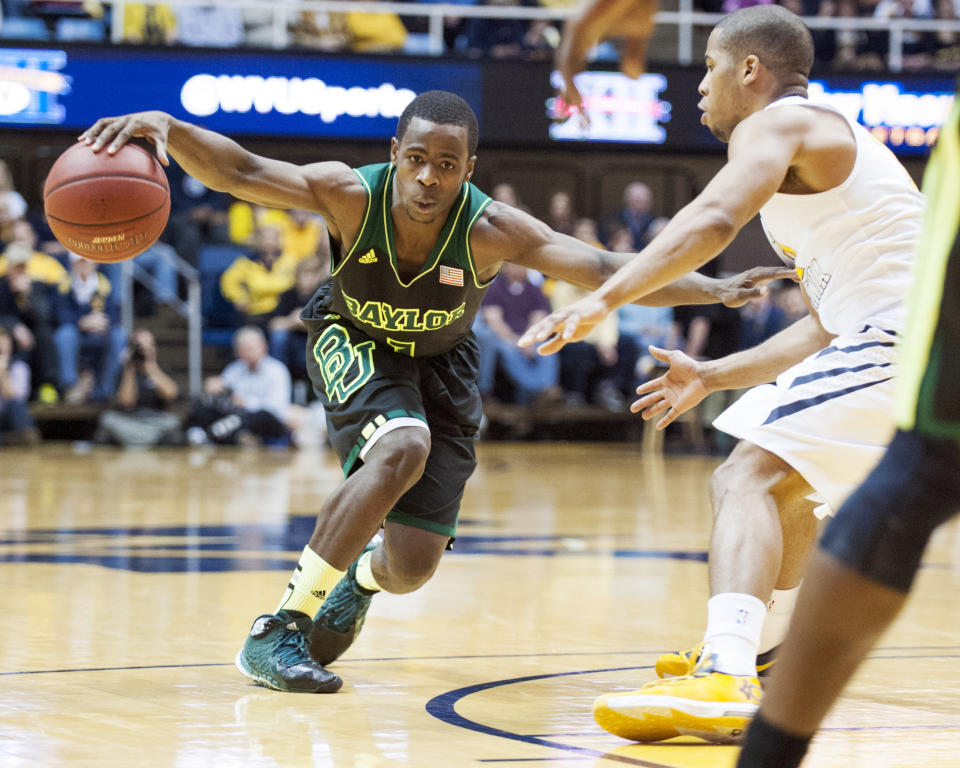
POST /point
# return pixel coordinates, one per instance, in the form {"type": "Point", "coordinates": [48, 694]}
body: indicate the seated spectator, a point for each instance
{"type": "Point", "coordinates": [288, 335]}
{"type": "Point", "coordinates": [16, 423]}
{"type": "Point", "coordinates": [90, 338]}
{"type": "Point", "coordinates": [375, 32]}
{"type": "Point", "coordinates": [511, 305]}
{"type": "Point", "coordinates": [254, 285]}
{"type": "Point", "coordinates": [215, 25]}
{"type": "Point", "coordinates": [640, 327]}
{"type": "Point", "coordinates": [143, 395]}
{"type": "Point", "coordinates": [248, 402]}
{"type": "Point", "coordinates": [636, 214]}
{"type": "Point", "coordinates": [12, 204]}
{"type": "Point", "coordinates": [303, 235]}
{"type": "Point", "coordinates": [41, 267]}
{"type": "Point", "coordinates": [149, 24]}
{"type": "Point", "coordinates": [946, 54]}
{"type": "Point", "coordinates": [504, 38]}
{"type": "Point", "coordinates": [322, 30]}
{"type": "Point", "coordinates": [858, 49]}
{"type": "Point", "coordinates": [507, 194]}
{"type": "Point", "coordinates": [244, 219]}
{"type": "Point", "coordinates": [590, 369]}
{"type": "Point", "coordinates": [560, 214]}
{"type": "Point", "coordinates": [918, 46]}
{"type": "Point", "coordinates": [28, 312]}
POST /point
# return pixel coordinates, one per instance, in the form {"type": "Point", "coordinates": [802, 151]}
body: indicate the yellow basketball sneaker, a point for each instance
{"type": "Point", "coordinates": [710, 705]}
{"type": "Point", "coordinates": [680, 663]}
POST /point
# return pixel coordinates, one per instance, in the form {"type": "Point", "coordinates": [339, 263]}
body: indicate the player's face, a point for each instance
{"type": "Point", "coordinates": [720, 90]}
{"type": "Point", "coordinates": [432, 163]}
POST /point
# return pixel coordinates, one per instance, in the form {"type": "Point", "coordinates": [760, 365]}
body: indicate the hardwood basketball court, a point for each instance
{"type": "Point", "coordinates": [129, 580]}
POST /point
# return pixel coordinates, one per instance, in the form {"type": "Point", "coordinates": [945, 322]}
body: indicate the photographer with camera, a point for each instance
{"type": "Point", "coordinates": [249, 402]}
{"type": "Point", "coordinates": [143, 396]}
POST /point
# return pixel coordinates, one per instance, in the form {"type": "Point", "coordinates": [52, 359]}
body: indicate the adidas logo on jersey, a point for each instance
{"type": "Point", "coordinates": [369, 257]}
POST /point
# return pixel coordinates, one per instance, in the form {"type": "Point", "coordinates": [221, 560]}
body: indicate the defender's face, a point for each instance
{"type": "Point", "coordinates": [720, 90]}
{"type": "Point", "coordinates": [432, 163]}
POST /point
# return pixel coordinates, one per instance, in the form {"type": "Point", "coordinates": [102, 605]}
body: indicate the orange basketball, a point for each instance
{"type": "Point", "coordinates": [106, 207]}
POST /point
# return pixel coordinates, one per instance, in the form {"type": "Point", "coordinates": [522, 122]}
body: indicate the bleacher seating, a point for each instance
{"type": "Point", "coordinates": [78, 30]}
{"type": "Point", "coordinates": [24, 28]}
{"type": "Point", "coordinates": [220, 318]}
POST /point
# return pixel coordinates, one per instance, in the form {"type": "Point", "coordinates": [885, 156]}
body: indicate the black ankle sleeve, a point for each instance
{"type": "Point", "coordinates": [767, 746]}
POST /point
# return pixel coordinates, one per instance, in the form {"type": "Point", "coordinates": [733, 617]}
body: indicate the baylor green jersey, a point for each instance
{"type": "Point", "coordinates": [433, 311]}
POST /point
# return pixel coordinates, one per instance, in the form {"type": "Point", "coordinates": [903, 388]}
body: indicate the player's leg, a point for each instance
{"type": "Point", "coordinates": [376, 424]}
{"type": "Point", "coordinates": [424, 520]}
{"type": "Point", "coordinates": [869, 556]}
{"type": "Point", "coordinates": [759, 516]}
{"type": "Point", "coordinates": [762, 534]}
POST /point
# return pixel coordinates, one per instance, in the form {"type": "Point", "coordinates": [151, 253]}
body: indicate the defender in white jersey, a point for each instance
{"type": "Point", "coordinates": [838, 206]}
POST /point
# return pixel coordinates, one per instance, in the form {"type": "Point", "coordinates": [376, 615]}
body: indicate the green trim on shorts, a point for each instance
{"type": "Point", "coordinates": [402, 518]}
{"type": "Point", "coordinates": [370, 427]}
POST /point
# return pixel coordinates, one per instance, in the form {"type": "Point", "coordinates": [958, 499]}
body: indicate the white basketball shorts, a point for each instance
{"type": "Point", "coordinates": [829, 417]}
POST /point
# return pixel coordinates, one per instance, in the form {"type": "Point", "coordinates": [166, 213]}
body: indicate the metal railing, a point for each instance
{"type": "Point", "coordinates": [685, 19]}
{"type": "Point", "coordinates": [190, 309]}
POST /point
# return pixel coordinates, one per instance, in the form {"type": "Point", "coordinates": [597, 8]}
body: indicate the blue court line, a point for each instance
{"type": "Point", "coordinates": [443, 707]}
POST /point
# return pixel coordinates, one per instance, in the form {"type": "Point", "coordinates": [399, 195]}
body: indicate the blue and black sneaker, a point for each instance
{"type": "Point", "coordinates": [275, 655]}
{"type": "Point", "coordinates": [340, 618]}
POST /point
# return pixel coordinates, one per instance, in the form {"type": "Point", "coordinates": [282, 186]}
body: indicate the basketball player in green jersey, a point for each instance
{"type": "Point", "coordinates": [390, 352]}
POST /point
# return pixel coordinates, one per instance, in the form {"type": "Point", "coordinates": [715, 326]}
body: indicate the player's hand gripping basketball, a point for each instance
{"type": "Point", "coordinates": [738, 290]}
{"type": "Point", "coordinates": [678, 390]}
{"type": "Point", "coordinates": [114, 132]}
{"type": "Point", "coordinates": [565, 325]}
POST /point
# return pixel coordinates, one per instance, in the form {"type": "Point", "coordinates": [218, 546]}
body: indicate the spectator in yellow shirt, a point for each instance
{"type": "Point", "coordinates": [149, 24]}
{"type": "Point", "coordinates": [244, 219]}
{"type": "Point", "coordinates": [41, 267]}
{"type": "Point", "coordinates": [303, 236]}
{"type": "Point", "coordinates": [375, 32]}
{"type": "Point", "coordinates": [254, 285]}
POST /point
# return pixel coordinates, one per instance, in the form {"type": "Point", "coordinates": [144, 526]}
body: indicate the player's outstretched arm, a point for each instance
{"type": "Point", "coordinates": [220, 163]}
{"type": "Point", "coordinates": [761, 152]}
{"type": "Point", "coordinates": [508, 234]}
{"type": "Point", "coordinates": [688, 381]}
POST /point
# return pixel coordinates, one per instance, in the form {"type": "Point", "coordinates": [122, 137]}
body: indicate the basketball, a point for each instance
{"type": "Point", "coordinates": [106, 207]}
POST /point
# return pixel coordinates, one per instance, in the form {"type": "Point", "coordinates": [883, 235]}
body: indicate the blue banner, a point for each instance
{"type": "Point", "coordinates": [231, 92]}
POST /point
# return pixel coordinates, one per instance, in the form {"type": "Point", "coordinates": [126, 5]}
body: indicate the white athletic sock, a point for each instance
{"type": "Point", "coordinates": [365, 577]}
{"type": "Point", "coordinates": [734, 622]}
{"type": "Point", "coordinates": [312, 581]}
{"type": "Point", "coordinates": [779, 611]}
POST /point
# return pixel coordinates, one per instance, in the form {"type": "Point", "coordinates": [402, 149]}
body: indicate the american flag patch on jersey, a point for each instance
{"type": "Point", "coordinates": [451, 276]}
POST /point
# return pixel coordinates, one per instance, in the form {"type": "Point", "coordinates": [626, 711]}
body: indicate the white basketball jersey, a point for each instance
{"type": "Point", "coordinates": [852, 245]}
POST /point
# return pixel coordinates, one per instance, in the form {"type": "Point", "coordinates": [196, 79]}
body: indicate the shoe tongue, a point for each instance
{"type": "Point", "coordinates": [295, 620]}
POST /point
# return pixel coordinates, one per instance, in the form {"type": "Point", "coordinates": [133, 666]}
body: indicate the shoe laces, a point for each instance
{"type": "Point", "coordinates": [290, 645]}
{"type": "Point", "coordinates": [345, 604]}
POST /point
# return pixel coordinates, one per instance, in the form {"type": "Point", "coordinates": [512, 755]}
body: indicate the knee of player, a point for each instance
{"type": "Point", "coordinates": [403, 453]}
{"type": "Point", "coordinates": [411, 571]}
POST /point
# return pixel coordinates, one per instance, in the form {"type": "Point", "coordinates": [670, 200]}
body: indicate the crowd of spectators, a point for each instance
{"type": "Point", "coordinates": [61, 338]}
{"type": "Point", "coordinates": [605, 368]}
{"type": "Point", "coordinates": [221, 24]}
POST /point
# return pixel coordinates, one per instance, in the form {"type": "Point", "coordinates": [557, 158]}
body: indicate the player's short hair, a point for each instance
{"type": "Point", "coordinates": [776, 36]}
{"type": "Point", "coordinates": [442, 108]}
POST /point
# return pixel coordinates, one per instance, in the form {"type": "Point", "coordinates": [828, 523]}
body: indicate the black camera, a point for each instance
{"type": "Point", "coordinates": [137, 355]}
